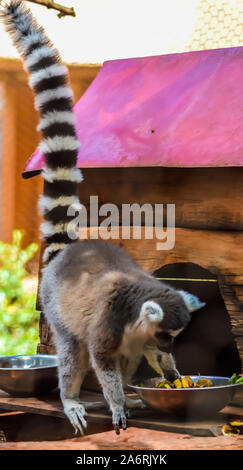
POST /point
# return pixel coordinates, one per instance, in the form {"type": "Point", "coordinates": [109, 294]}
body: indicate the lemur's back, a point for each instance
{"type": "Point", "coordinates": [93, 256]}
{"type": "Point", "coordinates": [81, 279]}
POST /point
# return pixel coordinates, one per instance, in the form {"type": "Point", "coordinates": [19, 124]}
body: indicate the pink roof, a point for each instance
{"type": "Point", "coordinates": [177, 110]}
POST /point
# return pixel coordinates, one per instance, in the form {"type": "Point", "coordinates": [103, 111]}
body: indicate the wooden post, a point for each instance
{"type": "Point", "coordinates": [9, 151]}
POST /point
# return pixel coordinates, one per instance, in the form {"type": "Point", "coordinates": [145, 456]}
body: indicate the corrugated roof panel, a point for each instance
{"type": "Point", "coordinates": [177, 110]}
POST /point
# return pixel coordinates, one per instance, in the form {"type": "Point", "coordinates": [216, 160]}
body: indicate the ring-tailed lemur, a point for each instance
{"type": "Point", "coordinates": [102, 307]}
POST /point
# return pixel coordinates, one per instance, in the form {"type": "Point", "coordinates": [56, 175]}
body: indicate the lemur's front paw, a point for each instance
{"type": "Point", "coordinates": [119, 419]}
{"type": "Point", "coordinates": [75, 412]}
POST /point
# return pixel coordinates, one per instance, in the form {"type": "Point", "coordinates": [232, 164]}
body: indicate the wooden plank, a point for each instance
{"type": "Point", "coordinates": [27, 215]}
{"type": "Point", "coordinates": [205, 198]}
{"type": "Point", "coordinates": [19, 426]}
{"type": "Point", "coordinates": [239, 291]}
{"type": "Point", "coordinates": [47, 405]}
{"type": "Point", "coordinates": [204, 427]}
{"type": "Point", "coordinates": [8, 159]}
{"type": "Point", "coordinates": [45, 348]}
{"type": "Point", "coordinates": [234, 279]}
{"type": "Point", "coordinates": [8, 64]}
{"type": "Point", "coordinates": [150, 419]}
{"type": "Point", "coordinates": [239, 342]}
{"type": "Point", "coordinates": [218, 251]}
{"type": "Point", "coordinates": [233, 305]}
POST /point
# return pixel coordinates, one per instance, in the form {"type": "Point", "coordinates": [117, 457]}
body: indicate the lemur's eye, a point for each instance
{"type": "Point", "coordinates": [163, 336]}
{"type": "Point", "coordinates": [165, 341]}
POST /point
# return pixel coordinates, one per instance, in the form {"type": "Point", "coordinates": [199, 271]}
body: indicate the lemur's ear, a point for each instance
{"type": "Point", "coordinates": [152, 311]}
{"type": "Point", "coordinates": [192, 301]}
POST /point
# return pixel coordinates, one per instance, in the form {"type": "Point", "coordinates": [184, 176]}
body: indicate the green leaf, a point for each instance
{"type": "Point", "coordinates": [232, 379]}
{"type": "Point", "coordinates": [19, 319]}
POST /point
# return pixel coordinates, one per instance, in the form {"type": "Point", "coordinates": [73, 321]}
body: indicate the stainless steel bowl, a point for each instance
{"type": "Point", "coordinates": [188, 402]}
{"type": "Point", "coordinates": [28, 375]}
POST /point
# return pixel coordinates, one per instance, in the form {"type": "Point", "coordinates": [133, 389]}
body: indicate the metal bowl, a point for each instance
{"type": "Point", "coordinates": [188, 402]}
{"type": "Point", "coordinates": [28, 375]}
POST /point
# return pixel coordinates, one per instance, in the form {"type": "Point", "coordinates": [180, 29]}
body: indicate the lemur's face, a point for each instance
{"type": "Point", "coordinates": [165, 317]}
{"type": "Point", "coordinates": [165, 339]}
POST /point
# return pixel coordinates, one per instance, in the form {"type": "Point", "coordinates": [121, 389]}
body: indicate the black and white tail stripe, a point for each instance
{"type": "Point", "coordinates": [54, 100]}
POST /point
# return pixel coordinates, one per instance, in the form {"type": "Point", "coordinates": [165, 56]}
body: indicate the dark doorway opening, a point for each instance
{"type": "Point", "coordinates": [207, 345]}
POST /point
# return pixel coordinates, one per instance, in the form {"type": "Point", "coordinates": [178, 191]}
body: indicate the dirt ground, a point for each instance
{"type": "Point", "coordinates": [136, 439]}
{"type": "Point", "coordinates": [132, 439]}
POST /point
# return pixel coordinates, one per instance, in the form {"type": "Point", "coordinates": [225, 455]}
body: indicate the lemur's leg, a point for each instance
{"type": "Point", "coordinates": [73, 363]}
{"type": "Point", "coordinates": [109, 375]}
{"type": "Point", "coordinates": [128, 371]}
{"type": "Point", "coordinates": [129, 367]}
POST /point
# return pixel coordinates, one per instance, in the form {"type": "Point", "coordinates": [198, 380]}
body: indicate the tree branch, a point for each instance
{"type": "Point", "coordinates": [63, 11]}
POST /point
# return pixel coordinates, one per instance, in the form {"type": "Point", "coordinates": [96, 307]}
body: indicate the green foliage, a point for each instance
{"type": "Point", "coordinates": [18, 316]}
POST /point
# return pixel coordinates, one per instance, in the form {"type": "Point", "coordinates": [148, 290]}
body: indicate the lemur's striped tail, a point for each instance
{"type": "Point", "coordinates": [54, 100]}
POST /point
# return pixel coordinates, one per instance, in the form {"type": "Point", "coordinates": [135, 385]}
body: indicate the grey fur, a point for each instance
{"type": "Point", "coordinates": [93, 294]}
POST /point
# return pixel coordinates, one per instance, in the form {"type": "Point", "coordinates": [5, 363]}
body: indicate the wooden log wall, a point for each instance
{"type": "Point", "coordinates": [205, 198]}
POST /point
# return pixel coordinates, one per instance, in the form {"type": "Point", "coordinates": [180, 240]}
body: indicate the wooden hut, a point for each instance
{"type": "Point", "coordinates": [168, 130]}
